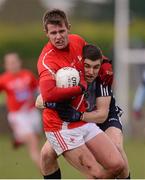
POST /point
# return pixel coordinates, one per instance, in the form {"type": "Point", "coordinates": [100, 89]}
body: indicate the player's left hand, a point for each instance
{"type": "Point", "coordinates": [69, 114]}
{"type": "Point", "coordinates": [106, 72]}
{"type": "Point", "coordinates": [65, 111]}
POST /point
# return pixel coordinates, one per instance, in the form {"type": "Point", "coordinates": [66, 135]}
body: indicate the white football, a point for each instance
{"type": "Point", "coordinates": [67, 77]}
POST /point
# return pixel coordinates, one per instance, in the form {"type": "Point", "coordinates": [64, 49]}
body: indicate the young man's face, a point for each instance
{"type": "Point", "coordinates": [12, 63]}
{"type": "Point", "coordinates": [58, 35]}
{"type": "Point", "coordinates": [91, 69]}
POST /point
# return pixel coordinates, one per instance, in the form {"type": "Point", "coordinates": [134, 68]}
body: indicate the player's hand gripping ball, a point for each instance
{"type": "Point", "coordinates": [67, 77]}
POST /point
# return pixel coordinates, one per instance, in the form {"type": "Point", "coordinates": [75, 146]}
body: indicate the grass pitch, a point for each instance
{"type": "Point", "coordinates": [16, 164]}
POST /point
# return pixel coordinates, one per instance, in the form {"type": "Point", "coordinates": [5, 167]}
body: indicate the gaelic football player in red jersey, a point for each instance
{"type": "Point", "coordinates": [77, 140]}
{"type": "Point", "coordinates": [20, 86]}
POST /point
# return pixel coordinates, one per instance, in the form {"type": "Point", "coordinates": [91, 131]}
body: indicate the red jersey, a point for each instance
{"type": "Point", "coordinates": [20, 88]}
{"type": "Point", "coordinates": [51, 60]}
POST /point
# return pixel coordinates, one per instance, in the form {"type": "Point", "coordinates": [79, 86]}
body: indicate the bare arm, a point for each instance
{"type": "Point", "coordinates": [101, 113]}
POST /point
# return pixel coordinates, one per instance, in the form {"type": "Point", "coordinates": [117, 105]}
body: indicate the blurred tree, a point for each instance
{"type": "Point", "coordinates": [137, 8]}
{"type": "Point", "coordinates": [21, 11]}
{"type": "Point", "coordinates": [99, 11]}
{"type": "Point", "coordinates": [92, 10]}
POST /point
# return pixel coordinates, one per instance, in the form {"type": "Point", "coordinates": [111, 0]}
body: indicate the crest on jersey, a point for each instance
{"type": "Point", "coordinates": [79, 58]}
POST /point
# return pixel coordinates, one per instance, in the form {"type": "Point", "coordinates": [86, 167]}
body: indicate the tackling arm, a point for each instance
{"type": "Point", "coordinates": [70, 114]}
{"type": "Point", "coordinates": [101, 113]}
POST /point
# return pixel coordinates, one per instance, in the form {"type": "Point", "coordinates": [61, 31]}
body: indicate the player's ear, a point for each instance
{"type": "Point", "coordinates": [69, 26]}
{"type": "Point", "coordinates": [44, 30]}
{"type": "Point", "coordinates": [46, 33]}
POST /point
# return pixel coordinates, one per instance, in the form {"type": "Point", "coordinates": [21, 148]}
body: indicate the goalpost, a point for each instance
{"type": "Point", "coordinates": [124, 56]}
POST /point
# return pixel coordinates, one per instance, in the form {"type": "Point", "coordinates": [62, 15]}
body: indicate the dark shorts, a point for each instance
{"type": "Point", "coordinates": [113, 121]}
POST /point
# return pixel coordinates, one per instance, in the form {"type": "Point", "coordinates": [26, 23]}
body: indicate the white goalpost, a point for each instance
{"type": "Point", "coordinates": [123, 56]}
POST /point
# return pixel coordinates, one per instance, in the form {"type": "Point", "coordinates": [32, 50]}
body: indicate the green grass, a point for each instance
{"type": "Point", "coordinates": [2, 98]}
{"type": "Point", "coordinates": [136, 155]}
{"type": "Point", "coordinates": [16, 163]}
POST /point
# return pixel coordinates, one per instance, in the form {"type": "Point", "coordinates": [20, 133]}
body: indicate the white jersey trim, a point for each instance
{"type": "Point", "coordinates": [104, 90]}
{"type": "Point", "coordinates": [46, 66]}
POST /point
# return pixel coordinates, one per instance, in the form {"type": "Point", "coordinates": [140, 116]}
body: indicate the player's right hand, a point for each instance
{"type": "Point", "coordinates": [84, 89]}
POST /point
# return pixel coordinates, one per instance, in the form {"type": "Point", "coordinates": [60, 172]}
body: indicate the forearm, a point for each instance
{"type": "Point", "coordinates": [97, 116]}
{"type": "Point", "coordinates": [51, 93]}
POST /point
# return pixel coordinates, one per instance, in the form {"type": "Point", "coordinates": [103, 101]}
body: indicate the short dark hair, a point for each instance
{"type": "Point", "coordinates": [92, 52]}
{"type": "Point", "coordinates": [55, 16]}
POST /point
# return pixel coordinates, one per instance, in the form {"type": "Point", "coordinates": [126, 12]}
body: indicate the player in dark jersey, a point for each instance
{"type": "Point", "coordinates": [101, 101]}
{"type": "Point", "coordinates": [101, 105]}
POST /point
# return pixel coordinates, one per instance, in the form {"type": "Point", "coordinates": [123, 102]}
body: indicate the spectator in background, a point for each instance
{"type": "Point", "coordinates": [21, 86]}
{"type": "Point", "coordinates": [139, 99]}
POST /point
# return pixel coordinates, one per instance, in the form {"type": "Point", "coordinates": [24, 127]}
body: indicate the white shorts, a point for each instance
{"type": "Point", "coordinates": [25, 122]}
{"type": "Point", "coordinates": [68, 139]}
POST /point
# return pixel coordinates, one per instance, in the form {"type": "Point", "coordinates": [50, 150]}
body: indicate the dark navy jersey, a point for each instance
{"type": "Point", "coordinates": [96, 89]}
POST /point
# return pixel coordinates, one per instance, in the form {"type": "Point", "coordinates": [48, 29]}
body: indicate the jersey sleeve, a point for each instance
{"type": "Point", "coordinates": [34, 81]}
{"type": "Point", "coordinates": [49, 91]}
{"type": "Point", "coordinates": [82, 41]}
{"type": "Point", "coordinates": [103, 90]}
{"type": "Point", "coordinates": [79, 40]}
{"type": "Point", "coordinates": [1, 84]}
